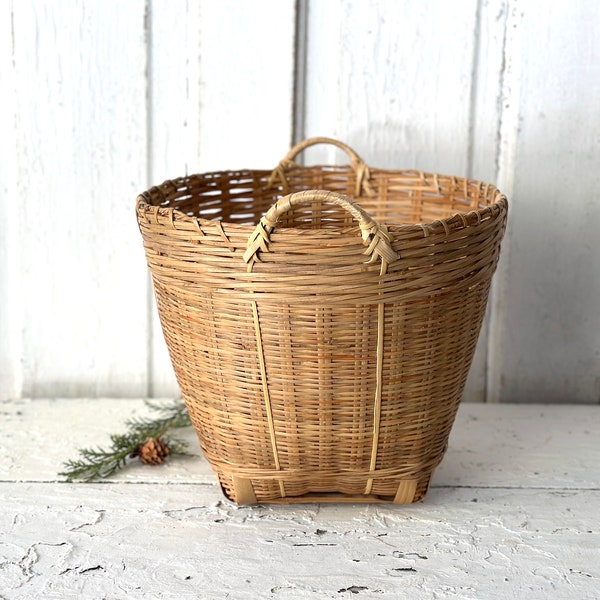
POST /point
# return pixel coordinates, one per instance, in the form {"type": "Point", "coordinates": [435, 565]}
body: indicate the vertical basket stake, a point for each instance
{"type": "Point", "coordinates": [378, 383]}
{"type": "Point", "coordinates": [265, 387]}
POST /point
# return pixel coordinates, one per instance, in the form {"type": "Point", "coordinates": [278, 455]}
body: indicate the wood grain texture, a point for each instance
{"type": "Point", "coordinates": [513, 514]}
{"type": "Point", "coordinates": [80, 151]}
{"type": "Point", "coordinates": [547, 346]}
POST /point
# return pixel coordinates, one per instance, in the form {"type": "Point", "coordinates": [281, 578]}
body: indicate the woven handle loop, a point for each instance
{"type": "Point", "coordinates": [375, 236]}
{"type": "Point", "coordinates": [301, 146]}
{"type": "Point", "coordinates": [357, 163]}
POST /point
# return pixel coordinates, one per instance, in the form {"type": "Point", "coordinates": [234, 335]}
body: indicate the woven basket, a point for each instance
{"type": "Point", "coordinates": [322, 320]}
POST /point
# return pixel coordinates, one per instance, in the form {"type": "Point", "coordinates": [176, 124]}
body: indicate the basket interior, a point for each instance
{"type": "Point", "coordinates": [401, 197]}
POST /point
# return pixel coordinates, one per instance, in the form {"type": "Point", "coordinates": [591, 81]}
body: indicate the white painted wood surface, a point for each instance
{"type": "Point", "coordinates": [512, 513]}
{"type": "Point", "coordinates": [548, 327]}
{"type": "Point", "coordinates": [79, 150]}
{"type": "Point", "coordinates": [11, 317]}
{"type": "Point", "coordinates": [103, 99]}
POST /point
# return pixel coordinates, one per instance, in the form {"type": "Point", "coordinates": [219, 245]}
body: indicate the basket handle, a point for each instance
{"type": "Point", "coordinates": [375, 236]}
{"type": "Point", "coordinates": [357, 163]}
{"type": "Point", "coordinates": [301, 146]}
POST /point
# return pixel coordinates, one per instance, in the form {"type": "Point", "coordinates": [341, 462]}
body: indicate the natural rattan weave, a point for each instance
{"type": "Point", "coordinates": [322, 320]}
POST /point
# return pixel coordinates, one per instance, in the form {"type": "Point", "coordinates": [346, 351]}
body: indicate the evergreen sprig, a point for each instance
{"type": "Point", "coordinates": [99, 463]}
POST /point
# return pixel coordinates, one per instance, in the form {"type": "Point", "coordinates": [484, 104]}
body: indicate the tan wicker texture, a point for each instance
{"type": "Point", "coordinates": [322, 340]}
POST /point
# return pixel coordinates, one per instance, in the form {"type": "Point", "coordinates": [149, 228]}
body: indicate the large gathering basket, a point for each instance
{"type": "Point", "coordinates": [321, 320]}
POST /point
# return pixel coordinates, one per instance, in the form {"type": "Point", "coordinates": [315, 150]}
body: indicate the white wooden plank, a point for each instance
{"type": "Point", "coordinates": [394, 83]}
{"type": "Point", "coordinates": [11, 208]}
{"type": "Point", "coordinates": [81, 151]}
{"type": "Point", "coordinates": [547, 330]}
{"type": "Point", "coordinates": [528, 446]}
{"type": "Point", "coordinates": [246, 83]}
{"type": "Point", "coordinates": [174, 63]}
{"type": "Point", "coordinates": [113, 541]}
{"type": "Point", "coordinates": [490, 446]}
{"type": "Point", "coordinates": [173, 145]}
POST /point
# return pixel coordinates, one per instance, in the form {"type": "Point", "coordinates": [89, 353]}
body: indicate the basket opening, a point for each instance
{"type": "Point", "coordinates": [401, 197]}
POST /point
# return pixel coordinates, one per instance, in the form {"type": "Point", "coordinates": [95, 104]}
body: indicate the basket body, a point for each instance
{"type": "Point", "coordinates": [310, 374]}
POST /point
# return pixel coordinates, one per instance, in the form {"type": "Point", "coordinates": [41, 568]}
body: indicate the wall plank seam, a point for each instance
{"type": "Point", "coordinates": [149, 384]}
{"type": "Point", "coordinates": [506, 140]}
{"type": "Point", "coordinates": [473, 91]}
{"type": "Point", "coordinates": [473, 391]}
{"type": "Point", "coordinates": [11, 314]}
{"type": "Point", "coordinates": [298, 128]}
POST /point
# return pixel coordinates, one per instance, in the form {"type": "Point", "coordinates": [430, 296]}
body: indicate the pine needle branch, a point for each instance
{"type": "Point", "coordinates": [99, 463]}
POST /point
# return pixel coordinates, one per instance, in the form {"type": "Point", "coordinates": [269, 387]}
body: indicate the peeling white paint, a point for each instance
{"type": "Point", "coordinates": [154, 539]}
{"type": "Point", "coordinates": [488, 529]}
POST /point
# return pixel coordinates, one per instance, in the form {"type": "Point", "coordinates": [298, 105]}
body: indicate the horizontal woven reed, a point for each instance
{"type": "Point", "coordinates": [321, 320]}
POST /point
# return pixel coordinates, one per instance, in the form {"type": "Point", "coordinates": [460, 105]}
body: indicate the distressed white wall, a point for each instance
{"type": "Point", "coordinates": [100, 99]}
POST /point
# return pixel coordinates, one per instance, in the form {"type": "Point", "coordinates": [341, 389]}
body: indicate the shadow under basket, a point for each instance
{"type": "Point", "coordinates": [322, 320]}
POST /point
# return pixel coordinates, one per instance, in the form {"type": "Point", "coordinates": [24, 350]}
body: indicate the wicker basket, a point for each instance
{"type": "Point", "coordinates": [321, 361]}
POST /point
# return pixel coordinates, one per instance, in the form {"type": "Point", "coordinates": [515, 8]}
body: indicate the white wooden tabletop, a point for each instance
{"type": "Point", "coordinates": [513, 512]}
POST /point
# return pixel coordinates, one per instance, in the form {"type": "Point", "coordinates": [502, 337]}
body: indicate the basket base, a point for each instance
{"type": "Point", "coordinates": [409, 491]}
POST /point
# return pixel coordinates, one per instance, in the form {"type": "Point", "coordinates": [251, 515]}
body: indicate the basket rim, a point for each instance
{"type": "Point", "coordinates": [454, 222]}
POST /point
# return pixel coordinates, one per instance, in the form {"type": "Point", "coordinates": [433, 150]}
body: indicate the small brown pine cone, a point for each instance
{"type": "Point", "coordinates": [153, 451]}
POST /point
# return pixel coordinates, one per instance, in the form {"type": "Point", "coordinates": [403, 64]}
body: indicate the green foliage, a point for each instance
{"type": "Point", "coordinates": [98, 463]}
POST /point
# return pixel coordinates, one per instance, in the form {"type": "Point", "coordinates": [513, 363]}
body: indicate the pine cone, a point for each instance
{"type": "Point", "coordinates": [153, 451]}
